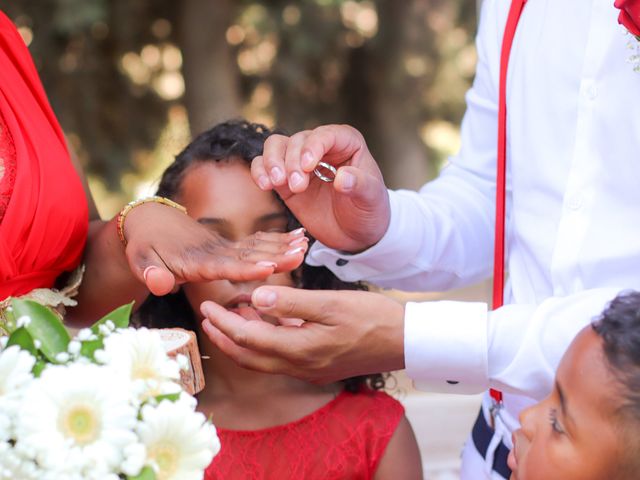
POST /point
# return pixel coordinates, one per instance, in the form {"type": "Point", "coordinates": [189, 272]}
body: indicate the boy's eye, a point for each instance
{"type": "Point", "coordinates": [553, 420]}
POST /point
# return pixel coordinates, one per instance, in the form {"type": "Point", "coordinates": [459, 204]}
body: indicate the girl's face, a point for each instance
{"type": "Point", "coordinates": [573, 433]}
{"type": "Point", "coordinates": [223, 197]}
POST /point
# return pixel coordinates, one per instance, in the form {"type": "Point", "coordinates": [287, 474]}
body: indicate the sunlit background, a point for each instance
{"type": "Point", "coordinates": [131, 80]}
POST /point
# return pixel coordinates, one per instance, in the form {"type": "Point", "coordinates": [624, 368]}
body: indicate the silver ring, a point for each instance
{"type": "Point", "coordinates": [323, 177]}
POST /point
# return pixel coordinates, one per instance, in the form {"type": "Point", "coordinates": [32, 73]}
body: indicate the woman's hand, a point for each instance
{"type": "Point", "coordinates": [345, 333]}
{"type": "Point", "coordinates": [166, 248]}
{"type": "Point", "coordinates": [351, 213]}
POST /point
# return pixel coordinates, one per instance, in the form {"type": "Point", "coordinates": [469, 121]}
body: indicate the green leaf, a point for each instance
{"type": "Point", "coordinates": [120, 317]}
{"type": "Point", "coordinates": [146, 473]}
{"type": "Point", "coordinates": [172, 397]}
{"type": "Point", "coordinates": [38, 368]}
{"type": "Point", "coordinates": [88, 348]}
{"type": "Point", "coordinates": [23, 339]}
{"type": "Point", "coordinates": [44, 327]}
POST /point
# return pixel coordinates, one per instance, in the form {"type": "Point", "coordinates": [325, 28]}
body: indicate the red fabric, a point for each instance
{"type": "Point", "coordinates": [44, 227]}
{"type": "Point", "coordinates": [345, 439]}
{"type": "Point", "coordinates": [498, 259]}
{"type": "Point", "coordinates": [629, 15]}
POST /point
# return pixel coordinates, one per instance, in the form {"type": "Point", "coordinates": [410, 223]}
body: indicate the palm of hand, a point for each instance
{"type": "Point", "coordinates": [337, 219]}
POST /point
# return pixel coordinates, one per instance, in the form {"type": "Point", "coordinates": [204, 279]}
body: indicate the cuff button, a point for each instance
{"type": "Point", "coordinates": [453, 382]}
{"type": "Point", "coordinates": [341, 262]}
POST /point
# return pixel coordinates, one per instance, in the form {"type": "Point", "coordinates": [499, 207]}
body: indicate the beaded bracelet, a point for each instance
{"type": "Point", "coordinates": [131, 205]}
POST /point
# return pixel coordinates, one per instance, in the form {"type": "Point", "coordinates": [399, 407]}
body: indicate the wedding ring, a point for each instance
{"type": "Point", "coordinates": [332, 172]}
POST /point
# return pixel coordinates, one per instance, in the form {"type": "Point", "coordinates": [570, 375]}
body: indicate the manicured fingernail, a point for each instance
{"type": "Point", "coordinates": [348, 181]}
{"type": "Point", "coordinates": [297, 231]}
{"type": "Point", "coordinates": [263, 182]}
{"type": "Point", "coordinates": [298, 241]}
{"type": "Point", "coordinates": [265, 263]}
{"type": "Point", "coordinates": [264, 298]}
{"type": "Point", "coordinates": [276, 175]}
{"type": "Point", "coordinates": [294, 251]}
{"type": "Point", "coordinates": [146, 272]}
{"type": "Point", "coordinates": [295, 180]}
{"type": "Point", "coordinates": [307, 160]}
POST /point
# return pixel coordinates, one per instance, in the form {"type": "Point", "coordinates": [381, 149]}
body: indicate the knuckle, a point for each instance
{"type": "Point", "coordinates": [240, 338]}
{"type": "Point", "coordinates": [244, 254]}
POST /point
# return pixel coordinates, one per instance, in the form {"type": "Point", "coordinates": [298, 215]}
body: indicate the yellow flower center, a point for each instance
{"type": "Point", "coordinates": [81, 423]}
{"type": "Point", "coordinates": [166, 458]}
{"type": "Point", "coordinates": [143, 371]}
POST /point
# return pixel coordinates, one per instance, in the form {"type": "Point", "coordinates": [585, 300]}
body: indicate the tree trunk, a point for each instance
{"type": "Point", "coordinates": [384, 101]}
{"type": "Point", "coordinates": [211, 76]}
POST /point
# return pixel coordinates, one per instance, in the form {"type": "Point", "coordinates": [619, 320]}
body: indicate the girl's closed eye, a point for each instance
{"type": "Point", "coordinates": [553, 420]}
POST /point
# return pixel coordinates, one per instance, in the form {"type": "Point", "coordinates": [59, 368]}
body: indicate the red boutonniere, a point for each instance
{"type": "Point", "coordinates": [630, 18]}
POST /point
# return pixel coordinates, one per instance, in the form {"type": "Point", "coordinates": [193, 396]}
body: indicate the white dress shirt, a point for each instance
{"type": "Point", "coordinates": [573, 207]}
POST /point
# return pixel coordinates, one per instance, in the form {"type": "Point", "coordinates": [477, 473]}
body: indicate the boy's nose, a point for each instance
{"type": "Point", "coordinates": [528, 420]}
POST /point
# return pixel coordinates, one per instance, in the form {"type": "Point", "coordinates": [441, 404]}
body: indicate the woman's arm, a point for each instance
{"type": "Point", "coordinates": [166, 248]}
{"type": "Point", "coordinates": [401, 459]}
{"type": "Point", "coordinates": [171, 248]}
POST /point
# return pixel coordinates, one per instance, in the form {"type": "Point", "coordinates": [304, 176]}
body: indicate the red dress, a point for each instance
{"type": "Point", "coordinates": [344, 439]}
{"type": "Point", "coordinates": [43, 210]}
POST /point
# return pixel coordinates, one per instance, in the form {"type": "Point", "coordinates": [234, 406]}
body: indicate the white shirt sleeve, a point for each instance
{"type": "Point", "coordinates": [459, 347]}
{"type": "Point", "coordinates": [442, 236]}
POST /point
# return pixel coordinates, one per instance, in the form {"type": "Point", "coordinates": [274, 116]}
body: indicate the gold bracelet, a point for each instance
{"type": "Point", "coordinates": [131, 205]}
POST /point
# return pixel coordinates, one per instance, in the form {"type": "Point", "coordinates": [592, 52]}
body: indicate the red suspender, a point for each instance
{"type": "Point", "coordinates": [498, 256]}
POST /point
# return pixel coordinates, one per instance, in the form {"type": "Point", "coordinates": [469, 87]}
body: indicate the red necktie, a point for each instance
{"type": "Point", "coordinates": [498, 258]}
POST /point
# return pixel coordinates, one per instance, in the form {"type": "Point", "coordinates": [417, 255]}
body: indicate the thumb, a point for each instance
{"type": "Point", "coordinates": [309, 305]}
{"type": "Point", "coordinates": [151, 270]}
{"type": "Point", "coordinates": [366, 191]}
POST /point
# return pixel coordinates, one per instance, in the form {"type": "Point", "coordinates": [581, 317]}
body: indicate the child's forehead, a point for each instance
{"type": "Point", "coordinates": [587, 381]}
{"type": "Point", "coordinates": [225, 189]}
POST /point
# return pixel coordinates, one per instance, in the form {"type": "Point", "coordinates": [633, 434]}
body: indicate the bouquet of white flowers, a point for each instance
{"type": "Point", "coordinates": [104, 405]}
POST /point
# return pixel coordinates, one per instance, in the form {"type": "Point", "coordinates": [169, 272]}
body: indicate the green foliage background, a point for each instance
{"type": "Point", "coordinates": [130, 79]}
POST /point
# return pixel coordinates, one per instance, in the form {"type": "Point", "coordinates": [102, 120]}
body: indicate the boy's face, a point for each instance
{"type": "Point", "coordinates": [573, 433]}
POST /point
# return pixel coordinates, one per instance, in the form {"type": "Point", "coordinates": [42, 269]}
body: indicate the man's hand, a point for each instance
{"type": "Point", "coordinates": [166, 248]}
{"type": "Point", "coordinates": [345, 333]}
{"type": "Point", "coordinates": [351, 213]}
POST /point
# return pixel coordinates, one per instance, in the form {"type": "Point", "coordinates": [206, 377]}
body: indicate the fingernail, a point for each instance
{"type": "Point", "coordinates": [294, 251]}
{"type": "Point", "coordinates": [146, 272]}
{"type": "Point", "coordinates": [297, 231]}
{"type": "Point", "coordinates": [205, 309]}
{"type": "Point", "coordinates": [306, 160]}
{"type": "Point", "coordinates": [276, 175]}
{"type": "Point", "coordinates": [348, 181]}
{"type": "Point", "coordinates": [265, 263]}
{"type": "Point", "coordinates": [295, 179]}
{"type": "Point", "coordinates": [298, 241]}
{"type": "Point", "coordinates": [264, 298]}
{"type": "Point", "coordinates": [263, 182]}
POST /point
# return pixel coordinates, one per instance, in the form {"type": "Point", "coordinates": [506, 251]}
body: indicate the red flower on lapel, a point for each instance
{"type": "Point", "coordinates": [629, 15]}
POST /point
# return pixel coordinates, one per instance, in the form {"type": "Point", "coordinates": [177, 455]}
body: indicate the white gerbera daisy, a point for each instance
{"type": "Point", "coordinates": [139, 355]}
{"type": "Point", "coordinates": [76, 418]}
{"type": "Point", "coordinates": [180, 442]}
{"type": "Point", "coordinates": [15, 374]}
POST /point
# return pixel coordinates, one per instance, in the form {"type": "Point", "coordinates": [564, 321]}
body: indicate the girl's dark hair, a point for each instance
{"type": "Point", "coordinates": [235, 139]}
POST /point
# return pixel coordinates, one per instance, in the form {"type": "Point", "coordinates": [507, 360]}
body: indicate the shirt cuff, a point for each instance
{"type": "Point", "coordinates": [445, 345]}
{"type": "Point", "coordinates": [401, 242]}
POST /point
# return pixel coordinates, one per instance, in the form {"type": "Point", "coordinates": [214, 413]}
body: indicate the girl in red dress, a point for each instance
{"type": "Point", "coordinates": [272, 426]}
